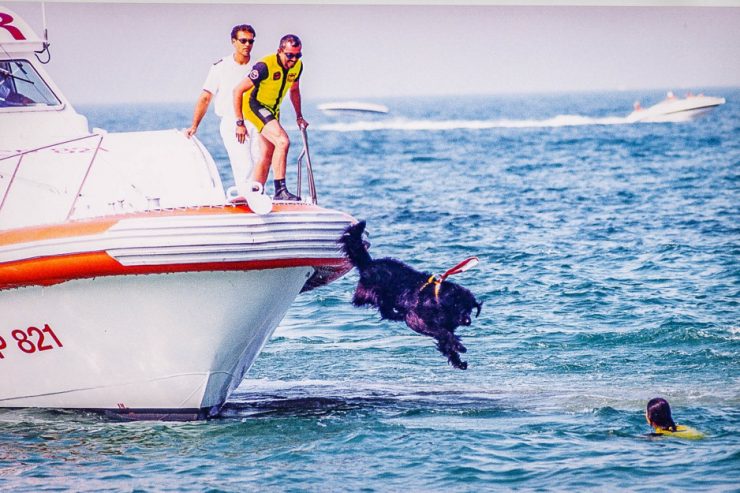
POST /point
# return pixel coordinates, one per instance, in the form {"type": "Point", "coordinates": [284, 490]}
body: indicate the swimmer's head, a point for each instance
{"type": "Point", "coordinates": [658, 414]}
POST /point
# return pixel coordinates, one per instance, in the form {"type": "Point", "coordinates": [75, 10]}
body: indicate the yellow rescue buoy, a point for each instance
{"type": "Point", "coordinates": [682, 431]}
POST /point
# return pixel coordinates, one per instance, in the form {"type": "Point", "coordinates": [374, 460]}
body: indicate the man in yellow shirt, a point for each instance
{"type": "Point", "coordinates": [265, 87]}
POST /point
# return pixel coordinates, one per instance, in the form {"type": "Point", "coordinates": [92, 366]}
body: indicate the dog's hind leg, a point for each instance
{"type": "Point", "coordinates": [364, 296]}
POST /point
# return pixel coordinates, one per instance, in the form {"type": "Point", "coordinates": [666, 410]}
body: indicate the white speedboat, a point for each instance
{"type": "Point", "coordinates": [353, 106]}
{"type": "Point", "coordinates": [128, 283]}
{"type": "Point", "coordinates": [673, 109]}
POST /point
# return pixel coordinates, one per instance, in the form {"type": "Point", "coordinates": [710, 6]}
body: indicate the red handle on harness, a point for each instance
{"type": "Point", "coordinates": [466, 264]}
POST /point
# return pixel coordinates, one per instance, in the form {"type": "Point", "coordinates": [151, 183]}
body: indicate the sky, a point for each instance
{"type": "Point", "coordinates": [145, 52]}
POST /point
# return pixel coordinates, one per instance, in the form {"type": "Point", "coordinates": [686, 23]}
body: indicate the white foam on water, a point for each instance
{"type": "Point", "coordinates": [415, 125]}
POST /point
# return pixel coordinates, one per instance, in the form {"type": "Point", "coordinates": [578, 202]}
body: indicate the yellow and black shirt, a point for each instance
{"type": "Point", "coordinates": [272, 82]}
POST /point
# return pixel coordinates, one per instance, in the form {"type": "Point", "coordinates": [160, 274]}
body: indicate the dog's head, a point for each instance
{"type": "Point", "coordinates": [458, 303]}
{"type": "Point", "coordinates": [465, 314]}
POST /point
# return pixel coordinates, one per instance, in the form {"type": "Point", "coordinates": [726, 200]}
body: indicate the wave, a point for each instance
{"type": "Point", "coordinates": [670, 333]}
{"type": "Point", "coordinates": [414, 125]}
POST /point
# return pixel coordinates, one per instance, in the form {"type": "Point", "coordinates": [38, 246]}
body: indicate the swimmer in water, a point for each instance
{"type": "Point", "coordinates": [658, 415]}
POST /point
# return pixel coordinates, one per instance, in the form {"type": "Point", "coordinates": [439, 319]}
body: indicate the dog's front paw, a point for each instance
{"type": "Point", "coordinates": [454, 360]}
{"type": "Point", "coordinates": [458, 346]}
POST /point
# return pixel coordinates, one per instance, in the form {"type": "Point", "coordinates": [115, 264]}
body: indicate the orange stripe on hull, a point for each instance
{"type": "Point", "coordinates": [66, 230]}
{"type": "Point", "coordinates": [54, 270]}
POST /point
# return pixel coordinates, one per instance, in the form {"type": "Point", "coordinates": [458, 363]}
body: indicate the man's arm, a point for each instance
{"type": "Point", "coordinates": [295, 98]}
{"type": "Point", "coordinates": [242, 87]}
{"type": "Point", "coordinates": [201, 106]}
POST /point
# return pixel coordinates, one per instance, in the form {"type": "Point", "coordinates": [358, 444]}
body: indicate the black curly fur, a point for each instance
{"type": "Point", "coordinates": [397, 291]}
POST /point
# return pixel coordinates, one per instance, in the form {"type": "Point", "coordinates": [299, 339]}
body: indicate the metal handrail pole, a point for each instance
{"type": "Point", "coordinates": [300, 169]}
{"type": "Point", "coordinates": [311, 183]}
{"type": "Point", "coordinates": [12, 178]}
{"type": "Point", "coordinates": [309, 168]}
{"type": "Point", "coordinates": [84, 179]}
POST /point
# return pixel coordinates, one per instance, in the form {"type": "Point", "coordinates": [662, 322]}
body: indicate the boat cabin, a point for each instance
{"type": "Point", "coordinates": [54, 168]}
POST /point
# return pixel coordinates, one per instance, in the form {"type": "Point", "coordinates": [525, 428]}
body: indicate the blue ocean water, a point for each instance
{"type": "Point", "coordinates": [609, 274]}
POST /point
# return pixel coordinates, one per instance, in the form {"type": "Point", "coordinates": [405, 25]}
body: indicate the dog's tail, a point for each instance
{"type": "Point", "coordinates": [354, 246]}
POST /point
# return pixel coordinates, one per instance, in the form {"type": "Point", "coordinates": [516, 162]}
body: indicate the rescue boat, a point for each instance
{"type": "Point", "coordinates": [129, 283]}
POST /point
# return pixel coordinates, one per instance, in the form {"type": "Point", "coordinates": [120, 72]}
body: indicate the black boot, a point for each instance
{"type": "Point", "coordinates": [282, 193]}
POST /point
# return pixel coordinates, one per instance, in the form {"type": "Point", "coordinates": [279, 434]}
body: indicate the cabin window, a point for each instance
{"type": "Point", "coordinates": [21, 85]}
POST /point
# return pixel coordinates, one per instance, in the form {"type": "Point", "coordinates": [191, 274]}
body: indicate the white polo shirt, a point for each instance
{"type": "Point", "coordinates": [224, 75]}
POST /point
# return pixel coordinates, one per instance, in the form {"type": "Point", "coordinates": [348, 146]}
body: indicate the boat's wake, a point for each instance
{"type": "Point", "coordinates": [404, 124]}
{"type": "Point", "coordinates": [266, 397]}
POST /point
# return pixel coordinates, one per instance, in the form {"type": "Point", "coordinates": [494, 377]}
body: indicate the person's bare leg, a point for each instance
{"type": "Point", "coordinates": [275, 134]}
{"type": "Point", "coordinates": [262, 165]}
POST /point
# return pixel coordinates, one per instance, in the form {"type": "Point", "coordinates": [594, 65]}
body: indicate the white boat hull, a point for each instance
{"type": "Point", "coordinates": [162, 344]}
{"type": "Point", "coordinates": [676, 110]}
{"type": "Point", "coordinates": [355, 106]}
{"type": "Point", "coordinates": [155, 314]}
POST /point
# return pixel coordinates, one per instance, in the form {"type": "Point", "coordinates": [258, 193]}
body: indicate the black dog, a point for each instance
{"type": "Point", "coordinates": [429, 306]}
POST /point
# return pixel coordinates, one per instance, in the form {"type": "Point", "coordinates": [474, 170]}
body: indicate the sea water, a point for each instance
{"type": "Point", "coordinates": [609, 275]}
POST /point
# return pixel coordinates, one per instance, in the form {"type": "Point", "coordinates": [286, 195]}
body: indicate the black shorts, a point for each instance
{"type": "Point", "coordinates": [259, 115]}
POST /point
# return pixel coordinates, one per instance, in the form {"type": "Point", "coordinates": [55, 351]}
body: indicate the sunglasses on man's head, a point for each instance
{"type": "Point", "coordinates": [246, 40]}
{"type": "Point", "coordinates": [293, 56]}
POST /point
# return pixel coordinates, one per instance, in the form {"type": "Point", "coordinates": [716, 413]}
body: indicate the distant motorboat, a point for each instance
{"type": "Point", "coordinates": [673, 109]}
{"type": "Point", "coordinates": [353, 106]}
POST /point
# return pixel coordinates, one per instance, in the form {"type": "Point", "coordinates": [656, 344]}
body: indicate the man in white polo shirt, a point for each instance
{"type": "Point", "coordinates": [223, 76]}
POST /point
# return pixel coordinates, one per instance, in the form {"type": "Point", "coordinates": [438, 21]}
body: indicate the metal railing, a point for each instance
{"type": "Point", "coordinates": [305, 153]}
{"type": "Point", "coordinates": [23, 154]}
{"type": "Point", "coordinates": [309, 169]}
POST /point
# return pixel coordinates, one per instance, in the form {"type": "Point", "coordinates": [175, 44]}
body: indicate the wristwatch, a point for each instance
{"type": "Point", "coordinates": [240, 123]}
